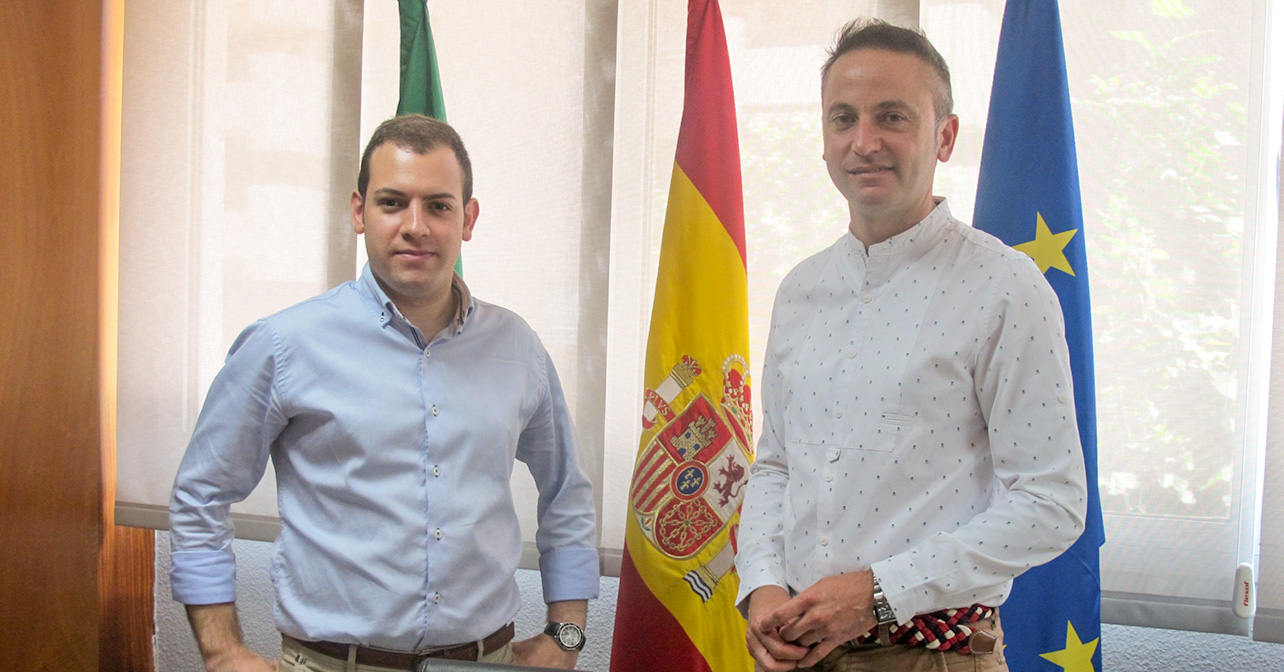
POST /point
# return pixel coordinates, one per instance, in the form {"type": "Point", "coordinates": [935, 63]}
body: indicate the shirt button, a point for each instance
{"type": "Point", "coordinates": [829, 478]}
{"type": "Point", "coordinates": [851, 354]}
{"type": "Point", "coordinates": [427, 354]}
{"type": "Point", "coordinates": [434, 410]}
{"type": "Point", "coordinates": [436, 471]}
{"type": "Point", "coordinates": [824, 541]}
{"type": "Point", "coordinates": [436, 598]}
{"type": "Point", "coordinates": [1065, 399]}
{"type": "Point", "coordinates": [437, 533]}
{"type": "Point", "coordinates": [838, 412]}
{"type": "Point", "coordinates": [866, 297]}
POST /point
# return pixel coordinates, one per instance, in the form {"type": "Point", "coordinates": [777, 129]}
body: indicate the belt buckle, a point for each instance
{"type": "Point", "coordinates": [422, 665]}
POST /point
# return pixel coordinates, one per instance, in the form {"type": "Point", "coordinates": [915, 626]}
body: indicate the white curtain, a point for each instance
{"type": "Point", "coordinates": [239, 134]}
{"type": "Point", "coordinates": [1178, 141]}
{"type": "Point", "coordinates": [243, 122]}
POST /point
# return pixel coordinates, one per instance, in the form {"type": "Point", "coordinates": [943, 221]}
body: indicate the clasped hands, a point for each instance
{"type": "Point", "coordinates": [786, 633]}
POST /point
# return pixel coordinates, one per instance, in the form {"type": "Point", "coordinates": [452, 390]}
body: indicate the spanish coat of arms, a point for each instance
{"type": "Point", "coordinates": [689, 480]}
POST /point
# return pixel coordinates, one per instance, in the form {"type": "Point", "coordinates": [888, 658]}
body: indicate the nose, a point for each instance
{"type": "Point", "coordinates": [865, 137]}
{"type": "Point", "coordinates": [416, 222]}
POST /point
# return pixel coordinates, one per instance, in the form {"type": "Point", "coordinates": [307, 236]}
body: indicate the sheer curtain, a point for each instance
{"type": "Point", "coordinates": [243, 122]}
{"type": "Point", "coordinates": [239, 134]}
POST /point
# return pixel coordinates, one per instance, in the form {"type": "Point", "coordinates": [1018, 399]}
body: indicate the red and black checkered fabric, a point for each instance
{"type": "Point", "coordinates": [946, 630]}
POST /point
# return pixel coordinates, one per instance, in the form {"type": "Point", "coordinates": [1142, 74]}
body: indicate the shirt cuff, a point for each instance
{"type": "Point", "coordinates": [903, 594]}
{"type": "Point", "coordinates": [569, 574]}
{"type": "Point", "coordinates": [203, 577]}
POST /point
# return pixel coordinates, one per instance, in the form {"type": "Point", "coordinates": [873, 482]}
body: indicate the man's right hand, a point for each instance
{"type": "Point", "coordinates": [218, 634]}
{"type": "Point", "coordinates": [766, 645]}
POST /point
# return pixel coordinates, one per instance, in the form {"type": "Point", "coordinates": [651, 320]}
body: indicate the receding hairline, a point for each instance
{"type": "Point", "coordinates": [939, 86]}
{"type": "Point", "coordinates": [869, 33]}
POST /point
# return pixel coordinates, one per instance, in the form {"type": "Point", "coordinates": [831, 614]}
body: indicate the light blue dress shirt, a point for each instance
{"type": "Point", "coordinates": [393, 454]}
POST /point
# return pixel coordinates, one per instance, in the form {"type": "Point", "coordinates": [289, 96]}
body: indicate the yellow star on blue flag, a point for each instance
{"type": "Point", "coordinates": [1048, 248]}
{"type": "Point", "coordinates": [1077, 656]}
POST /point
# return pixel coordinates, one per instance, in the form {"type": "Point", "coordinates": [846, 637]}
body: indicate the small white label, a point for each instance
{"type": "Point", "coordinates": [1244, 602]}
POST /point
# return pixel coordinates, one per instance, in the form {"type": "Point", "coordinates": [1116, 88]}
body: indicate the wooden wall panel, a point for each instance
{"type": "Point", "coordinates": [51, 494]}
{"type": "Point", "coordinates": [52, 527]}
{"type": "Point", "coordinates": [126, 593]}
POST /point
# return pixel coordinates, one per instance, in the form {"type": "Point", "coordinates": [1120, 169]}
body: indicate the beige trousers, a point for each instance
{"type": "Point", "coordinates": [900, 658]}
{"type": "Point", "coordinates": [295, 658]}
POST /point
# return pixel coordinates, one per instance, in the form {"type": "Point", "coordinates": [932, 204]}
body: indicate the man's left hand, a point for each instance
{"type": "Point", "coordinates": [835, 610]}
{"type": "Point", "coordinates": [542, 651]}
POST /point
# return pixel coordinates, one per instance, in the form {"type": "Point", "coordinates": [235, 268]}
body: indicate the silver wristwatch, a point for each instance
{"type": "Point", "coordinates": [569, 636]}
{"type": "Point", "coordinates": [882, 610]}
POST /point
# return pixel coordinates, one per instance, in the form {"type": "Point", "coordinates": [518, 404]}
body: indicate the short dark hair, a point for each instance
{"type": "Point", "coordinates": [419, 134]}
{"type": "Point", "coordinates": [877, 34]}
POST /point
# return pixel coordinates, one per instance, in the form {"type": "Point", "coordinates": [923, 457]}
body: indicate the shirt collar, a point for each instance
{"type": "Point", "coordinates": [369, 287]}
{"type": "Point", "coordinates": [465, 303]}
{"type": "Point", "coordinates": [912, 241]}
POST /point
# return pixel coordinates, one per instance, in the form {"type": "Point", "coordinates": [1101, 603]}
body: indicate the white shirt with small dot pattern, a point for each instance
{"type": "Point", "coordinates": [918, 420]}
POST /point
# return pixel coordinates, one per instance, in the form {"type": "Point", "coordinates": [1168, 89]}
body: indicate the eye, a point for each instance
{"type": "Point", "coordinates": [387, 202]}
{"type": "Point", "coordinates": [842, 119]}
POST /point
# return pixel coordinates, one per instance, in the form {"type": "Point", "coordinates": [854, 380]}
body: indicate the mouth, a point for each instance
{"type": "Point", "coordinates": [868, 170]}
{"type": "Point", "coordinates": [414, 254]}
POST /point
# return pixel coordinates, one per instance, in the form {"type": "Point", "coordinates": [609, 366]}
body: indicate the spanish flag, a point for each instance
{"type": "Point", "coordinates": [676, 610]}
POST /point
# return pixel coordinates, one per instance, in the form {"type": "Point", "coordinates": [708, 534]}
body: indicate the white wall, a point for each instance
{"type": "Point", "coordinates": [1126, 649]}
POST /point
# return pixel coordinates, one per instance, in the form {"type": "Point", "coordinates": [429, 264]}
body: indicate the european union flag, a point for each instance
{"type": "Point", "coordinates": [1028, 196]}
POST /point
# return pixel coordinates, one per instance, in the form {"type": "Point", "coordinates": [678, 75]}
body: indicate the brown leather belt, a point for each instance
{"type": "Point", "coordinates": [407, 660]}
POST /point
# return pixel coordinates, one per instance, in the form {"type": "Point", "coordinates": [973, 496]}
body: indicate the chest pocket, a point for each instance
{"type": "Point", "coordinates": [890, 429]}
{"type": "Point", "coordinates": [851, 399]}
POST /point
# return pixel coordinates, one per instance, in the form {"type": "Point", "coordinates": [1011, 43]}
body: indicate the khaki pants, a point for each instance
{"type": "Point", "coordinates": [901, 658]}
{"type": "Point", "coordinates": [295, 658]}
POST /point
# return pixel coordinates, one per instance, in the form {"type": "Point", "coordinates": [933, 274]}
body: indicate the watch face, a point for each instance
{"type": "Point", "coordinates": [570, 637]}
{"type": "Point", "coordinates": [884, 614]}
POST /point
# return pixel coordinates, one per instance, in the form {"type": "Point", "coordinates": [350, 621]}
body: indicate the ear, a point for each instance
{"type": "Point", "coordinates": [358, 216]}
{"type": "Point", "coordinates": [945, 137]}
{"type": "Point", "coordinates": [471, 210]}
